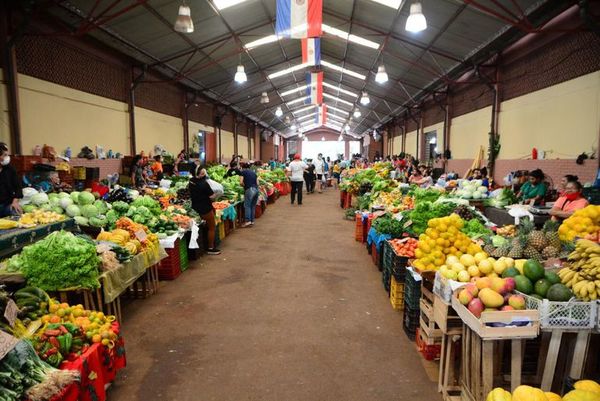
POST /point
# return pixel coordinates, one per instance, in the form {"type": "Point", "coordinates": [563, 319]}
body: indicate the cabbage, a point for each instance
{"type": "Point", "coordinates": [82, 221]}
{"type": "Point", "coordinates": [73, 210]}
{"type": "Point", "coordinates": [65, 202]}
{"type": "Point", "coordinates": [89, 211]}
{"type": "Point", "coordinates": [476, 195]}
{"type": "Point", "coordinates": [64, 195]}
{"type": "Point", "coordinates": [55, 201]}
{"type": "Point", "coordinates": [28, 208]}
{"type": "Point", "coordinates": [101, 206]}
{"type": "Point", "coordinates": [39, 198]}
{"type": "Point", "coordinates": [482, 190]}
{"type": "Point", "coordinates": [29, 192]}
{"type": "Point", "coordinates": [133, 194]}
{"type": "Point", "coordinates": [86, 198]}
{"type": "Point", "coordinates": [98, 221]}
{"type": "Point", "coordinates": [46, 207]}
{"type": "Point", "coordinates": [75, 196]}
{"type": "Point", "coordinates": [52, 195]}
{"type": "Point", "coordinates": [58, 209]}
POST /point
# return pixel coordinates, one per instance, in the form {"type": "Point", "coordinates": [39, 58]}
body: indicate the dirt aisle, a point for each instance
{"type": "Point", "coordinates": [292, 310]}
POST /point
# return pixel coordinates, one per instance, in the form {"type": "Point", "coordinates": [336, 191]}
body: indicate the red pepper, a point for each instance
{"type": "Point", "coordinates": [54, 342]}
{"type": "Point", "coordinates": [72, 357]}
{"type": "Point", "coordinates": [63, 330]}
{"type": "Point", "coordinates": [51, 333]}
{"type": "Point", "coordinates": [51, 351]}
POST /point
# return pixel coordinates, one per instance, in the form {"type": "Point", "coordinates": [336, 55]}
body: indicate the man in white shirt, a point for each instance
{"type": "Point", "coordinates": [296, 173]}
{"type": "Point", "coordinates": [319, 171]}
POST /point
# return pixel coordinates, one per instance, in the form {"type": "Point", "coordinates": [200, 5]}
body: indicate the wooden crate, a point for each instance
{"type": "Point", "coordinates": [427, 323]}
{"type": "Point", "coordinates": [445, 316]}
{"type": "Point", "coordinates": [509, 320]}
{"type": "Point", "coordinates": [450, 367]}
{"type": "Point", "coordinates": [482, 359]}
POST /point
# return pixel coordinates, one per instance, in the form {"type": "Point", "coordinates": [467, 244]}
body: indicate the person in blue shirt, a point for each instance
{"type": "Point", "coordinates": [249, 181]}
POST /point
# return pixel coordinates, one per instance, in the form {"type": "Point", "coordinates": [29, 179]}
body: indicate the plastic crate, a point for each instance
{"type": "Point", "coordinates": [375, 255]}
{"type": "Point", "coordinates": [170, 267]}
{"type": "Point", "coordinates": [430, 352]}
{"type": "Point", "coordinates": [342, 198]}
{"type": "Point", "coordinates": [396, 294]}
{"type": "Point", "coordinates": [564, 315]}
{"type": "Point", "coordinates": [386, 279]}
{"type": "Point", "coordinates": [258, 211]}
{"type": "Point", "coordinates": [410, 322]}
{"type": "Point", "coordinates": [358, 232]}
{"type": "Point", "coordinates": [412, 290]}
{"type": "Point", "coordinates": [183, 255]}
{"type": "Point", "coordinates": [394, 263]}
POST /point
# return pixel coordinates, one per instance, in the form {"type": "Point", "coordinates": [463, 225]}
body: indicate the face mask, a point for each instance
{"type": "Point", "coordinates": [572, 196]}
{"type": "Point", "coordinates": [6, 160]}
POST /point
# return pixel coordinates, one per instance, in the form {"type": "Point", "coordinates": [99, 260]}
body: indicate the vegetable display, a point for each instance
{"type": "Point", "coordinates": [61, 260]}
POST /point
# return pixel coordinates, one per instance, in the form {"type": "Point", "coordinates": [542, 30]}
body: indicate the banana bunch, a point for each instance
{"type": "Point", "coordinates": [582, 273]}
{"type": "Point", "coordinates": [118, 236]}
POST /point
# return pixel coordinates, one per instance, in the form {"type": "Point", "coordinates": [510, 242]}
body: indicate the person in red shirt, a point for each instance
{"type": "Point", "coordinates": [570, 201]}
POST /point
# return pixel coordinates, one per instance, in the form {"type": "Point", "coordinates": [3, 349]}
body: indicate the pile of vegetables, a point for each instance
{"type": "Point", "coordinates": [475, 229]}
{"type": "Point", "coordinates": [389, 224]}
{"type": "Point", "coordinates": [61, 260]}
{"type": "Point", "coordinates": [121, 238]}
{"type": "Point", "coordinates": [471, 190]}
{"type": "Point", "coordinates": [504, 198]}
{"type": "Point", "coordinates": [425, 211]}
{"type": "Point", "coordinates": [82, 206]}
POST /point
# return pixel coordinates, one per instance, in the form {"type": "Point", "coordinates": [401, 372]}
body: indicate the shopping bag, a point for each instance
{"type": "Point", "coordinates": [217, 188]}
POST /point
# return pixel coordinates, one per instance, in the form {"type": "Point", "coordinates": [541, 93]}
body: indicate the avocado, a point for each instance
{"type": "Point", "coordinates": [533, 270]}
{"type": "Point", "coordinates": [510, 272]}
{"type": "Point", "coordinates": [559, 292]}
{"type": "Point", "coordinates": [552, 277]}
{"type": "Point", "coordinates": [542, 286]}
{"type": "Point", "coordinates": [523, 284]}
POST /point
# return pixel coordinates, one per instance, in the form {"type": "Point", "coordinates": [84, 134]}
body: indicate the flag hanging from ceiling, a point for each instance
{"type": "Point", "coordinates": [311, 51]}
{"type": "Point", "coordinates": [299, 19]}
{"type": "Point", "coordinates": [314, 88]}
{"type": "Point", "coordinates": [321, 117]}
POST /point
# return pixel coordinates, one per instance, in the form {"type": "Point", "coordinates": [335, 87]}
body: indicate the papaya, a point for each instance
{"type": "Point", "coordinates": [499, 394]}
{"type": "Point", "coordinates": [581, 395]}
{"type": "Point", "coordinates": [587, 385]}
{"type": "Point", "coordinates": [528, 393]}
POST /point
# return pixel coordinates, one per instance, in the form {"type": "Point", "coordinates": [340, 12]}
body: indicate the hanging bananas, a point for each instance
{"type": "Point", "coordinates": [582, 271]}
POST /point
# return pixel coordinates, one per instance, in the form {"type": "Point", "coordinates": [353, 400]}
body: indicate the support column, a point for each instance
{"type": "Point", "coordinates": [235, 134]}
{"type": "Point", "coordinates": [186, 124]}
{"type": "Point", "coordinates": [12, 86]}
{"type": "Point", "coordinates": [346, 149]}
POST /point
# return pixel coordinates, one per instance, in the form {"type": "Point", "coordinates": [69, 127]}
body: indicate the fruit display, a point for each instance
{"type": "Point", "coordinates": [39, 217]}
{"type": "Point", "coordinates": [582, 271]}
{"type": "Point", "coordinates": [584, 390]}
{"type": "Point", "coordinates": [7, 224]}
{"type": "Point", "coordinates": [442, 238]}
{"type": "Point", "coordinates": [584, 222]}
{"type": "Point", "coordinates": [404, 247]}
{"type": "Point", "coordinates": [491, 294]}
{"type": "Point", "coordinates": [33, 303]}
{"type": "Point", "coordinates": [135, 230]}
{"type": "Point", "coordinates": [467, 267]}
{"type": "Point", "coordinates": [530, 243]}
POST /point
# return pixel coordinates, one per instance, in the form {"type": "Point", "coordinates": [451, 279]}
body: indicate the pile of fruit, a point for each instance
{"type": "Point", "coordinates": [584, 390]}
{"type": "Point", "coordinates": [404, 247]}
{"type": "Point", "coordinates": [135, 229]}
{"type": "Point", "coordinates": [491, 294]}
{"type": "Point", "coordinates": [507, 231]}
{"type": "Point", "coordinates": [530, 243]}
{"type": "Point", "coordinates": [532, 279]}
{"type": "Point", "coordinates": [582, 271]}
{"type": "Point", "coordinates": [472, 266]}
{"type": "Point", "coordinates": [584, 222]}
{"type": "Point", "coordinates": [442, 238]}
{"type": "Point", "coordinates": [39, 217]}
{"type": "Point", "coordinates": [122, 238]}
{"type": "Point", "coordinates": [7, 224]}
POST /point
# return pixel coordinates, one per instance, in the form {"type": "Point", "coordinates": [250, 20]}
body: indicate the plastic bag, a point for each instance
{"type": "Point", "coordinates": [217, 188]}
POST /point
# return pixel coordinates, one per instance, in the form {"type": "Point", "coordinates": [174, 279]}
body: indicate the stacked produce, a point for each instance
{"type": "Point", "coordinates": [441, 238]}
{"type": "Point", "coordinates": [404, 247]}
{"type": "Point", "coordinates": [7, 224]}
{"type": "Point", "coordinates": [491, 294]}
{"type": "Point", "coordinates": [122, 238]}
{"type": "Point", "coordinates": [232, 187]}
{"type": "Point", "coordinates": [59, 261]}
{"type": "Point", "coordinates": [135, 229]}
{"type": "Point", "coordinates": [471, 190]}
{"type": "Point", "coordinates": [584, 223]}
{"type": "Point", "coordinates": [467, 267]}
{"type": "Point", "coordinates": [504, 198]}
{"type": "Point", "coordinates": [36, 217]}
{"type": "Point", "coordinates": [507, 231]}
{"type": "Point", "coordinates": [584, 390]}
{"type": "Point", "coordinates": [582, 271]}
{"type": "Point", "coordinates": [374, 180]}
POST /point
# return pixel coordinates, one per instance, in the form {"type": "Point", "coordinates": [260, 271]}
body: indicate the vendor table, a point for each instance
{"type": "Point", "coordinates": [500, 217]}
{"type": "Point", "coordinates": [12, 241]}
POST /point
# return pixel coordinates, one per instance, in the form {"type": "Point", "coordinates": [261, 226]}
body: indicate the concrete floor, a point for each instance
{"type": "Point", "coordinates": [292, 310]}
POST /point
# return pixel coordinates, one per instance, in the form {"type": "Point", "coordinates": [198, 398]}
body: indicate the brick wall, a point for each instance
{"type": "Point", "coordinates": [107, 166]}
{"type": "Point", "coordinates": [554, 169]}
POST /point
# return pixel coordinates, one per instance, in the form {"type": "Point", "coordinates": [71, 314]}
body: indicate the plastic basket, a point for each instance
{"type": "Point", "coordinates": [183, 255]}
{"type": "Point", "coordinates": [410, 322]}
{"type": "Point", "coordinates": [358, 232]}
{"type": "Point", "coordinates": [386, 279]}
{"type": "Point", "coordinates": [412, 290]}
{"type": "Point", "coordinates": [376, 255]}
{"type": "Point", "coordinates": [564, 315]}
{"type": "Point", "coordinates": [394, 263]}
{"type": "Point", "coordinates": [170, 267]}
{"type": "Point", "coordinates": [396, 294]}
{"type": "Point", "coordinates": [430, 352]}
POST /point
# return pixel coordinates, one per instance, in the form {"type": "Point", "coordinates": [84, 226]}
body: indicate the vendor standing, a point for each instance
{"type": "Point", "coordinates": [570, 201]}
{"type": "Point", "coordinates": [10, 185]}
{"type": "Point", "coordinates": [533, 191]}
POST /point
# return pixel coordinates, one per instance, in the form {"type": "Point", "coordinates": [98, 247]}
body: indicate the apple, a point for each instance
{"type": "Point", "coordinates": [476, 307]}
{"type": "Point", "coordinates": [509, 284]}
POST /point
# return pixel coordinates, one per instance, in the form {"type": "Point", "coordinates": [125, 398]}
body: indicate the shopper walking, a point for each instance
{"type": "Point", "coordinates": [249, 181]}
{"type": "Point", "coordinates": [201, 194]}
{"type": "Point", "coordinates": [296, 173]}
{"type": "Point", "coordinates": [309, 177]}
{"type": "Point", "coordinates": [320, 171]}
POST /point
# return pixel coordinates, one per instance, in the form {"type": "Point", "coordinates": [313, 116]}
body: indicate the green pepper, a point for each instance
{"type": "Point", "coordinates": [65, 341]}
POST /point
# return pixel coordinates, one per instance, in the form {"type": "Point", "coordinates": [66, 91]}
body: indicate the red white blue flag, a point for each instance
{"type": "Point", "coordinates": [311, 51]}
{"type": "Point", "coordinates": [314, 88]}
{"type": "Point", "coordinates": [299, 19]}
{"type": "Point", "coordinates": [321, 117]}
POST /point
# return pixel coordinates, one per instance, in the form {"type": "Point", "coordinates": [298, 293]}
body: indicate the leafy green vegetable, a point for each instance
{"type": "Point", "coordinates": [61, 260]}
{"type": "Point", "coordinates": [387, 224]}
{"type": "Point", "coordinates": [475, 229]}
{"type": "Point", "coordinates": [425, 211]}
{"type": "Point", "coordinates": [424, 195]}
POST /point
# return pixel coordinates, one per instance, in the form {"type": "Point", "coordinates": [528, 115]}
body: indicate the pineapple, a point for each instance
{"type": "Point", "coordinates": [536, 239]}
{"type": "Point", "coordinates": [501, 251]}
{"type": "Point", "coordinates": [551, 231]}
{"type": "Point", "coordinates": [531, 253]}
{"type": "Point", "coordinates": [550, 252]}
{"type": "Point", "coordinates": [489, 249]}
{"type": "Point", "coordinates": [516, 249]}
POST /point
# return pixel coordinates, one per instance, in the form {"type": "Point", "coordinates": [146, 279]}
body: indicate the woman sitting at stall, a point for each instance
{"type": "Point", "coordinates": [570, 201]}
{"type": "Point", "coordinates": [564, 181]}
{"type": "Point", "coordinates": [534, 190]}
{"type": "Point", "coordinates": [422, 177]}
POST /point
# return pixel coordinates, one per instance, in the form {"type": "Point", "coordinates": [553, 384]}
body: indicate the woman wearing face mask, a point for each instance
{"type": "Point", "coordinates": [564, 181]}
{"type": "Point", "coordinates": [10, 185]}
{"type": "Point", "coordinates": [570, 201]}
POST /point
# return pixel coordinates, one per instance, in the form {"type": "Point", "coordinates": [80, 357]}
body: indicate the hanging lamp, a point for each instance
{"type": "Point", "coordinates": [416, 21]}
{"type": "Point", "coordinates": [184, 23]}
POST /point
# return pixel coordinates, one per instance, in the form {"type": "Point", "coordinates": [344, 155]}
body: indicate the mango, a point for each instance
{"type": "Point", "coordinates": [509, 284]}
{"type": "Point", "coordinates": [517, 302]}
{"type": "Point", "coordinates": [491, 298]}
{"type": "Point", "coordinates": [472, 288]}
{"type": "Point", "coordinates": [475, 307]}
{"type": "Point", "coordinates": [507, 308]}
{"type": "Point", "coordinates": [465, 296]}
{"type": "Point", "coordinates": [484, 282]}
{"type": "Point", "coordinates": [498, 285]}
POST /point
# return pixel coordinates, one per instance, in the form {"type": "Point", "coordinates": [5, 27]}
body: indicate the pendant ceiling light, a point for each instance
{"type": "Point", "coordinates": [300, 134]}
{"type": "Point", "coordinates": [240, 75]}
{"type": "Point", "coordinates": [184, 23]}
{"type": "Point", "coordinates": [357, 113]}
{"type": "Point", "coordinates": [293, 127]}
{"type": "Point", "coordinates": [347, 127]}
{"type": "Point", "coordinates": [264, 98]}
{"type": "Point", "coordinates": [416, 21]}
{"type": "Point", "coordinates": [382, 76]}
{"type": "Point", "coordinates": [278, 112]}
{"type": "Point", "coordinates": [364, 100]}
{"type": "Point", "coordinates": [322, 138]}
{"type": "Point", "coordinates": [305, 138]}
